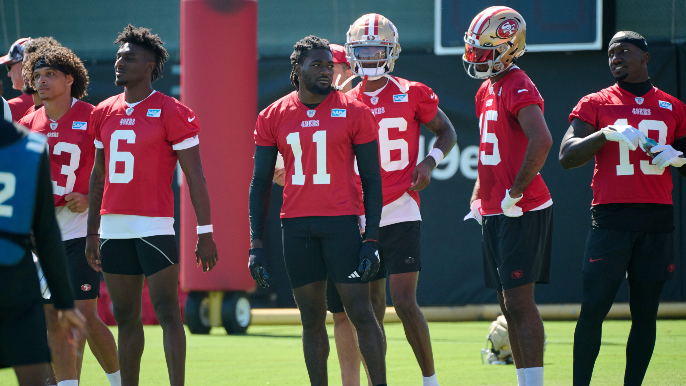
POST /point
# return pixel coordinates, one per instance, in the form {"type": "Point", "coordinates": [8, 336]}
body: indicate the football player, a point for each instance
{"type": "Point", "coordinates": [27, 209]}
{"type": "Point", "coordinates": [32, 46]}
{"type": "Point", "coordinates": [341, 70]}
{"type": "Point", "coordinates": [320, 131]}
{"type": "Point", "coordinates": [139, 136]}
{"type": "Point", "coordinates": [515, 202]}
{"type": "Point", "coordinates": [635, 132]}
{"type": "Point", "coordinates": [13, 61]}
{"type": "Point", "coordinates": [399, 106]}
{"type": "Point", "coordinates": [61, 81]}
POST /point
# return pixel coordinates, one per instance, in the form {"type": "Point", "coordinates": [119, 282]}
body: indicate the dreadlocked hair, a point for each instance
{"type": "Point", "coordinates": [152, 43]}
{"type": "Point", "coordinates": [301, 50]}
{"type": "Point", "coordinates": [67, 62]}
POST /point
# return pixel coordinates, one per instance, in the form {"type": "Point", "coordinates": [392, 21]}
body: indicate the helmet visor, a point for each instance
{"type": "Point", "coordinates": [370, 53]}
{"type": "Point", "coordinates": [477, 55]}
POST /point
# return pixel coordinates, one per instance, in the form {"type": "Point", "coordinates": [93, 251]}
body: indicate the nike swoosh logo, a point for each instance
{"type": "Point", "coordinates": [191, 119]}
{"type": "Point", "coordinates": [594, 260]}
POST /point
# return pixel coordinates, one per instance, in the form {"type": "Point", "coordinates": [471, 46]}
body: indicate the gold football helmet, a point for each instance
{"type": "Point", "coordinates": [495, 39]}
{"type": "Point", "coordinates": [372, 46]}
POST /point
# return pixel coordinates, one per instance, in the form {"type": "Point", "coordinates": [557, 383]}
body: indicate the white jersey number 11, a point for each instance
{"type": "Point", "coordinates": [321, 177]}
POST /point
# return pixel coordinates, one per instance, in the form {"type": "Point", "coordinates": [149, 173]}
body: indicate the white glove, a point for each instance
{"type": "Point", "coordinates": [509, 207]}
{"type": "Point", "coordinates": [668, 156]}
{"type": "Point", "coordinates": [475, 212]}
{"type": "Point", "coordinates": [624, 133]}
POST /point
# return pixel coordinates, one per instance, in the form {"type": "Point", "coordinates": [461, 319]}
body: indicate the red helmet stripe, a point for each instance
{"type": "Point", "coordinates": [370, 24]}
{"type": "Point", "coordinates": [481, 24]}
{"type": "Point", "coordinates": [376, 24]}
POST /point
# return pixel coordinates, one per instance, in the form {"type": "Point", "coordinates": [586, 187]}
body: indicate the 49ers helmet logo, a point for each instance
{"type": "Point", "coordinates": [507, 28]}
{"type": "Point", "coordinates": [517, 274]}
{"type": "Point", "coordinates": [86, 287]}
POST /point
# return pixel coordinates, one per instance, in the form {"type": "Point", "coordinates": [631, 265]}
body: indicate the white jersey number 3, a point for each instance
{"type": "Point", "coordinates": [321, 177]}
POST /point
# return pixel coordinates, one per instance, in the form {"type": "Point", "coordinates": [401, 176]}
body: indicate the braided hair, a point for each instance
{"type": "Point", "coordinates": [150, 42]}
{"type": "Point", "coordinates": [301, 50]}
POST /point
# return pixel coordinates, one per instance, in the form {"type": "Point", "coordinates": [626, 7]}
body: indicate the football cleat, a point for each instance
{"type": "Point", "coordinates": [495, 39]}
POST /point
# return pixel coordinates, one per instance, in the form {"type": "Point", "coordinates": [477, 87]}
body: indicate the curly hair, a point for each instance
{"type": "Point", "coordinates": [152, 43]}
{"type": "Point", "coordinates": [67, 62]}
{"type": "Point", "coordinates": [31, 47]}
{"type": "Point", "coordinates": [301, 50]}
{"type": "Point", "coordinates": [34, 44]}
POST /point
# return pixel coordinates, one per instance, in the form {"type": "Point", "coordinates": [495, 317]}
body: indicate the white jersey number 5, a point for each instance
{"type": "Point", "coordinates": [486, 137]}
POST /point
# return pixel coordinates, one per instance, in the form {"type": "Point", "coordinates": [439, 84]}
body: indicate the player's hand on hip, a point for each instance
{"type": "Point", "coordinates": [206, 252]}
{"type": "Point", "coordinates": [258, 265]}
{"type": "Point", "coordinates": [370, 260]}
{"type": "Point", "coordinates": [280, 176]}
{"type": "Point", "coordinates": [624, 133]}
{"type": "Point", "coordinates": [93, 252]}
{"type": "Point", "coordinates": [668, 156]}
{"type": "Point", "coordinates": [510, 209]}
{"type": "Point", "coordinates": [76, 202]}
{"type": "Point", "coordinates": [421, 176]}
{"type": "Point", "coordinates": [74, 323]}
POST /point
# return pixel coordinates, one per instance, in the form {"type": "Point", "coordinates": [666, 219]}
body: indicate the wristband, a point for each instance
{"type": "Point", "coordinates": [437, 154]}
{"type": "Point", "coordinates": [204, 229]}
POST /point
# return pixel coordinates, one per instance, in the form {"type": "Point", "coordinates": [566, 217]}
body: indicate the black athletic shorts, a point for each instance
{"type": "Point", "coordinates": [644, 256]}
{"type": "Point", "coordinates": [315, 248]}
{"type": "Point", "coordinates": [23, 336]}
{"type": "Point", "coordinates": [401, 246]}
{"type": "Point", "coordinates": [85, 281]}
{"type": "Point", "coordinates": [517, 250]}
{"type": "Point", "coordinates": [141, 256]}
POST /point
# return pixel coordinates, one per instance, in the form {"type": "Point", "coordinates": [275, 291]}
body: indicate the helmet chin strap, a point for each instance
{"type": "Point", "coordinates": [367, 78]}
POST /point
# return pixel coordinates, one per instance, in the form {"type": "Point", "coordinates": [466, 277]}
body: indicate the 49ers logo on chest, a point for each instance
{"type": "Point", "coordinates": [507, 28]}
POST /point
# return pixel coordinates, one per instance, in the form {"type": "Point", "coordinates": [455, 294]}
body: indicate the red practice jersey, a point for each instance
{"type": "Point", "coordinates": [317, 148]}
{"type": "Point", "coordinates": [139, 158]}
{"type": "Point", "coordinates": [19, 105]}
{"type": "Point", "coordinates": [621, 175]}
{"type": "Point", "coordinates": [399, 115]}
{"type": "Point", "coordinates": [70, 146]}
{"type": "Point", "coordinates": [503, 143]}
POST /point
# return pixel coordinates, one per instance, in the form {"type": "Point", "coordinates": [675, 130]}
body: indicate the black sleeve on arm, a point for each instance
{"type": "Point", "coordinates": [49, 240]}
{"type": "Point", "coordinates": [680, 145]}
{"type": "Point", "coordinates": [261, 189]}
{"type": "Point", "coordinates": [372, 193]}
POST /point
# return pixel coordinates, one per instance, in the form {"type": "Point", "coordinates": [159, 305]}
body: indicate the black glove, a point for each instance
{"type": "Point", "coordinates": [370, 260]}
{"type": "Point", "coordinates": [258, 265]}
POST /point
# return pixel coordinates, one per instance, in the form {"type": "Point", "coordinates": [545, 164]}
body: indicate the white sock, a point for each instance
{"type": "Point", "coordinates": [70, 382]}
{"type": "Point", "coordinates": [534, 376]}
{"type": "Point", "coordinates": [521, 377]}
{"type": "Point", "coordinates": [115, 378]}
{"type": "Point", "coordinates": [431, 381]}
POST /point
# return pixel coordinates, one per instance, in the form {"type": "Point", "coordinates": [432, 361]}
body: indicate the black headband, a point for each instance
{"type": "Point", "coordinates": [631, 38]}
{"type": "Point", "coordinates": [41, 63]}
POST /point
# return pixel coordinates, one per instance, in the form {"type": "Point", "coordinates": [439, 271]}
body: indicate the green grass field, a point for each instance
{"type": "Point", "coordinates": [272, 355]}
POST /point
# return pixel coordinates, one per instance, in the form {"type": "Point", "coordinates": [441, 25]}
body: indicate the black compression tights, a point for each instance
{"type": "Point", "coordinates": [598, 295]}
